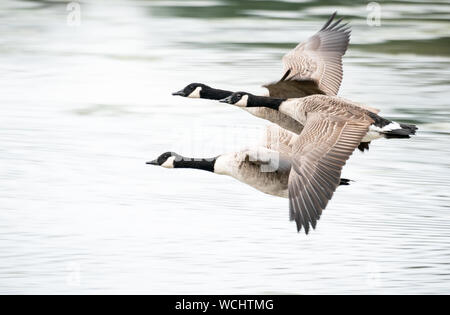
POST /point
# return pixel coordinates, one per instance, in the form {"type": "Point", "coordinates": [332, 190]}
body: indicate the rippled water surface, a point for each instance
{"type": "Point", "coordinates": [83, 108]}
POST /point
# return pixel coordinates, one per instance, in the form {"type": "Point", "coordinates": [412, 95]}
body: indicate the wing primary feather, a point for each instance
{"type": "Point", "coordinates": [341, 28]}
{"type": "Point", "coordinates": [309, 207]}
{"type": "Point", "coordinates": [291, 210]}
{"type": "Point", "coordinates": [299, 217]}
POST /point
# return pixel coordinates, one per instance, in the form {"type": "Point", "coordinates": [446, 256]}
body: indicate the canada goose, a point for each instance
{"type": "Point", "coordinates": [265, 168]}
{"type": "Point", "coordinates": [313, 67]}
{"type": "Point", "coordinates": [334, 128]}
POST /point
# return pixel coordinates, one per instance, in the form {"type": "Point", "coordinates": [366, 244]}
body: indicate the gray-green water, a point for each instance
{"type": "Point", "coordinates": [82, 109]}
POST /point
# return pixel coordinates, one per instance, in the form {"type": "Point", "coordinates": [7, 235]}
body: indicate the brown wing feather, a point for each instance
{"type": "Point", "coordinates": [319, 155]}
{"type": "Point", "coordinates": [320, 57]}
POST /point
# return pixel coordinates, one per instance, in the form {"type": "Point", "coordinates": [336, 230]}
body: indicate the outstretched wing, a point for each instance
{"type": "Point", "coordinates": [319, 60]}
{"type": "Point", "coordinates": [268, 160]}
{"type": "Point", "coordinates": [319, 155]}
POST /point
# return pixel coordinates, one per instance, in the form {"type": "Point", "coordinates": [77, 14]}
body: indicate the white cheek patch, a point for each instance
{"type": "Point", "coordinates": [243, 101]}
{"type": "Point", "coordinates": [195, 93]}
{"type": "Point", "coordinates": [169, 162]}
{"type": "Point", "coordinates": [390, 127]}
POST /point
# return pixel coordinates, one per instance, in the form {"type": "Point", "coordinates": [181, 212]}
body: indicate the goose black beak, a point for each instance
{"type": "Point", "coordinates": [155, 162]}
{"type": "Point", "coordinates": [226, 100]}
{"type": "Point", "coordinates": [179, 93]}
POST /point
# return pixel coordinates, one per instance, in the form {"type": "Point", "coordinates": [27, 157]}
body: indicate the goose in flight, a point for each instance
{"type": "Point", "coordinates": [334, 128]}
{"type": "Point", "coordinates": [266, 168]}
{"type": "Point", "coordinates": [313, 67]}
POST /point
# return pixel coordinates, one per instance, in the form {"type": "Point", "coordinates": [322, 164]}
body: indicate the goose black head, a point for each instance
{"type": "Point", "coordinates": [193, 90]}
{"type": "Point", "coordinates": [166, 160]}
{"type": "Point", "coordinates": [240, 99]}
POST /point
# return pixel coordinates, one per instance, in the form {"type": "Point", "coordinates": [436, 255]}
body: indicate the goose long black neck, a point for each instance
{"type": "Point", "coordinates": [268, 102]}
{"type": "Point", "coordinates": [198, 164]}
{"type": "Point", "coordinates": [215, 94]}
